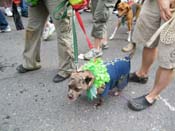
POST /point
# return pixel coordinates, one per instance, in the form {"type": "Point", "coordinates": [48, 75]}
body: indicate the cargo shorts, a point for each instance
{"type": "Point", "coordinates": [147, 24]}
{"type": "Point", "coordinates": [101, 14]}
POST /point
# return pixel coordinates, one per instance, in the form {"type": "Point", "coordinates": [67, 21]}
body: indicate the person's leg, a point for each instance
{"type": "Point", "coordinates": [97, 41]}
{"type": "Point", "coordinates": [163, 78]}
{"type": "Point", "coordinates": [100, 19]}
{"type": "Point", "coordinates": [147, 24]}
{"type": "Point", "coordinates": [164, 74]}
{"type": "Point", "coordinates": [3, 21]}
{"type": "Point", "coordinates": [93, 8]}
{"type": "Point", "coordinates": [94, 4]}
{"type": "Point", "coordinates": [49, 29]}
{"type": "Point", "coordinates": [166, 61]}
{"type": "Point", "coordinates": [148, 57]}
{"type": "Point", "coordinates": [64, 39]}
{"type": "Point", "coordinates": [101, 16]}
{"type": "Point", "coordinates": [31, 55]}
{"type": "Point", "coordinates": [24, 8]}
{"type": "Point", "coordinates": [7, 5]}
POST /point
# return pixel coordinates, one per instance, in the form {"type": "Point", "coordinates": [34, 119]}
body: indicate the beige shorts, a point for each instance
{"type": "Point", "coordinates": [147, 24]}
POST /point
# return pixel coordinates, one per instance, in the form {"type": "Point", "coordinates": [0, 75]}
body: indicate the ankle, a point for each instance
{"type": "Point", "coordinates": [150, 98]}
{"type": "Point", "coordinates": [141, 74]}
{"type": "Point", "coordinates": [97, 49]}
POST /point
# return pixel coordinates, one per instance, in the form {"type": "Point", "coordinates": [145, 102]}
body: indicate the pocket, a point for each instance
{"type": "Point", "coordinates": [101, 12]}
{"type": "Point", "coordinates": [109, 3]}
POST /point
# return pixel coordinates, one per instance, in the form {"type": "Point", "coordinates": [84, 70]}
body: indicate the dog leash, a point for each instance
{"type": "Point", "coordinates": [76, 5]}
{"type": "Point", "coordinates": [75, 43]}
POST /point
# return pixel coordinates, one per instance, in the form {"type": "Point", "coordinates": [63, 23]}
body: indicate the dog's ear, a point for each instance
{"type": "Point", "coordinates": [128, 7]}
{"type": "Point", "coordinates": [119, 5]}
{"type": "Point", "coordinates": [89, 79]}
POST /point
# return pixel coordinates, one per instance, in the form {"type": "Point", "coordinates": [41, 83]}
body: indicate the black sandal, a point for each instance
{"type": "Point", "coordinates": [139, 103]}
{"type": "Point", "coordinates": [21, 69]}
{"type": "Point", "coordinates": [134, 78]}
{"type": "Point", "coordinates": [58, 78]}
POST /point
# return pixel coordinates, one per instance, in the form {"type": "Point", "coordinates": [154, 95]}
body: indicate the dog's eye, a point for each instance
{"type": "Point", "coordinates": [83, 81]}
{"type": "Point", "coordinates": [120, 9]}
{"type": "Point", "coordinates": [77, 90]}
{"type": "Point", "coordinates": [70, 86]}
{"type": "Point", "coordinates": [72, 79]}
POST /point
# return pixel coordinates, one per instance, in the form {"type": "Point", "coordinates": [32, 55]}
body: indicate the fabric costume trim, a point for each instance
{"type": "Point", "coordinates": [108, 74]}
{"type": "Point", "coordinates": [99, 70]}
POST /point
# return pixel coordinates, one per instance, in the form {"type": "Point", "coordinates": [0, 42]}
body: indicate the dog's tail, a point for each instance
{"type": "Point", "coordinates": [132, 52]}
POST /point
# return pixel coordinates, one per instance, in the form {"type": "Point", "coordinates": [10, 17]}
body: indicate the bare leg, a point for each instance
{"type": "Point", "coordinates": [163, 78]}
{"type": "Point", "coordinates": [148, 57]}
{"type": "Point", "coordinates": [105, 39]}
{"type": "Point", "coordinates": [7, 3]}
{"type": "Point", "coordinates": [97, 43]}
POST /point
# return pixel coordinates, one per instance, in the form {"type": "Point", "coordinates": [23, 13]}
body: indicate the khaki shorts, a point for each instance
{"type": "Point", "coordinates": [147, 24]}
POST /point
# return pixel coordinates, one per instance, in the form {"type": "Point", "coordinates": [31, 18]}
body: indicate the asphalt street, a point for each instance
{"type": "Point", "coordinates": [32, 102]}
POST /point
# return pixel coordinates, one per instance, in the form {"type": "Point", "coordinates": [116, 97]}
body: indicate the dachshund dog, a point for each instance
{"type": "Point", "coordinates": [82, 80]}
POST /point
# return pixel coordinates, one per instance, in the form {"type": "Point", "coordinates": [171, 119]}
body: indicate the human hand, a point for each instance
{"type": "Point", "coordinates": [165, 11]}
{"type": "Point", "coordinates": [172, 6]}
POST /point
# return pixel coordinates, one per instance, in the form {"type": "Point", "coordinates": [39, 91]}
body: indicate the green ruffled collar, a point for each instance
{"type": "Point", "coordinates": [99, 70]}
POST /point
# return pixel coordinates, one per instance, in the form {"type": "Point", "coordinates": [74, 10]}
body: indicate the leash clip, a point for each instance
{"type": "Point", "coordinates": [76, 67]}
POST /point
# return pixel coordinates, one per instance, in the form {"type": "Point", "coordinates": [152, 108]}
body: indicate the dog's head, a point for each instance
{"type": "Point", "coordinates": [123, 8]}
{"type": "Point", "coordinates": [79, 82]}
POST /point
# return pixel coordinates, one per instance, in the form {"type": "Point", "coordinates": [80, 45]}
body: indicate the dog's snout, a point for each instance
{"type": "Point", "coordinates": [115, 12]}
{"type": "Point", "coordinates": [69, 86]}
{"type": "Point", "coordinates": [70, 96]}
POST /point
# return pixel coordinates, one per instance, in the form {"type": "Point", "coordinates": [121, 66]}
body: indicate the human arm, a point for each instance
{"type": "Point", "coordinates": [164, 6]}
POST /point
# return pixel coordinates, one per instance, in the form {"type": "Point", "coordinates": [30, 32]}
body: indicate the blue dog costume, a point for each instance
{"type": "Point", "coordinates": [111, 74]}
{"type": "Point", "coordinates": [118, 71]}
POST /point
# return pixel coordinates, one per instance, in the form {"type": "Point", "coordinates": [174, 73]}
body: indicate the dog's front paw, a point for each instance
{"type": "Point", "coordinates": [114, 93]}
{"type": "Point", "coordinates": [99, 103]}
{"type": "Point", "coordinates": [129, 39]}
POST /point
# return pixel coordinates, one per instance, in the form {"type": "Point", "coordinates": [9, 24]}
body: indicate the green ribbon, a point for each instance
{"type": "Point", "coordinates": [75, 43]}
{"type": "Point", "coordinates": [92, 92]}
